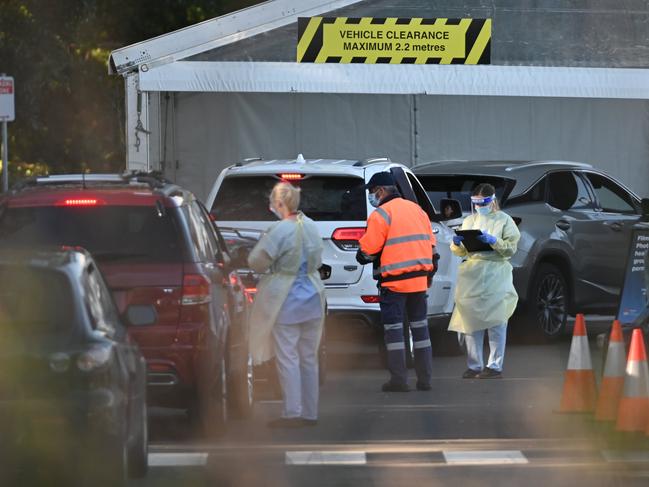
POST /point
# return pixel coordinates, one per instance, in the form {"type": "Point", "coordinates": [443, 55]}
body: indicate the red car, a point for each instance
{"type": "Point", "coordinates": [155, 245]}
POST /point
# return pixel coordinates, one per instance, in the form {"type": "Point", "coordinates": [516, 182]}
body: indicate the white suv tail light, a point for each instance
{"type": "Point", "coordinates": [347, 238]}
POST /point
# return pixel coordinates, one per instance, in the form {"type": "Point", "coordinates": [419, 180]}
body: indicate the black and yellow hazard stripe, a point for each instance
{"type": "Point", "coordinates": [312, 47]}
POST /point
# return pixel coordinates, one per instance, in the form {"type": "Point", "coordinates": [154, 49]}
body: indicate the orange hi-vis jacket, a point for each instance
{"type": "Point", "coordinates": [401, 232]}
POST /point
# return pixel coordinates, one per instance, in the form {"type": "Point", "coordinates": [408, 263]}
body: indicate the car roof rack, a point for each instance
{"type": "Point", "coordinates": [371, 160]}
{"type": "Point", "coordinates": [154, 179]}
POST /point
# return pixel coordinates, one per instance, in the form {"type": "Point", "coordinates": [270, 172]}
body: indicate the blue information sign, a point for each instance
{"type": "Point", "coordinates": [634, 293]}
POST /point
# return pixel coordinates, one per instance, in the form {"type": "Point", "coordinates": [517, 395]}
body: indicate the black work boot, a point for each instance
{"type": "Point", "coordinates": [471, 374]}
{"type": "Point", "coordinates": [488, 373]}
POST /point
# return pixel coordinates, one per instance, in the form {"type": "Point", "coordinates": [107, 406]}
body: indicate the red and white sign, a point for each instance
{"type": "Point", "coordinates": [7, 107]}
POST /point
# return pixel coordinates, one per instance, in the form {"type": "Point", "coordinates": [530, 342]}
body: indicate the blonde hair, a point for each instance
{"type": "Point", "coordinates": [288, 194]}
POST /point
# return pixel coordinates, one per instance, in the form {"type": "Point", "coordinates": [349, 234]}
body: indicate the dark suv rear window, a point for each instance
{"type": "Point", "coordinates": [134, 233]}
{"type": "Point", "coordinates": [324, 198]}
{"type": "Point", "coordinates": [458, 187]}
{"type": "Point", "coordinates": [34, 302]}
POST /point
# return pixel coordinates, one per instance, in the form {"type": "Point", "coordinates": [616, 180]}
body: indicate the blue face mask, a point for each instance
{"type": "Point", "coordinates": [374, 201]}
{"type": "Point", "coordinates": [483, 210]}
{"type": "Point", "coordinates": [275, 212]}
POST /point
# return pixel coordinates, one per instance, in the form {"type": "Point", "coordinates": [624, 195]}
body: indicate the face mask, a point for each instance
{"type": "Point", "coordinates": [275, 212]}
{"type": "Point", "coordinates": [374, 201]}
{"type": "Point", "coordinates": [483, 210]}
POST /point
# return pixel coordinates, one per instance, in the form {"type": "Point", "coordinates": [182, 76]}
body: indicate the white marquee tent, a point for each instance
{"type": "Point", "coordinates": [567, 81]}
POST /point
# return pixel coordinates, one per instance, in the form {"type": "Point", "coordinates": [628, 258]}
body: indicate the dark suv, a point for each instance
{"type": "Point", "coordinates": [156, 245]}
{"type": "Point", "coordinates": [576, 224]}
{"type": "Point", "coordinates": [72, 383]}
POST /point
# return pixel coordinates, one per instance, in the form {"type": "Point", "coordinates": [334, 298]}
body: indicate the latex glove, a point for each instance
{"type": "Point", "coordinates": [488, 239]}
{"type": "Point", "coordinates": [457, 240]}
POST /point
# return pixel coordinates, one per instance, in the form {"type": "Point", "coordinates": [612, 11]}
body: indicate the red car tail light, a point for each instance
{"type": "Point", "coordinates": [80, 202]}
{"type": "Point", "coordinates": [373, 298]}
{"type": "Point", "coordinates": [291, 176]}
{"type": "Point", "coordinates": [250, 293]}
{"type": "Point", "coordinates": [347, 238]}
{"type": "Point", "coordinates": [196, 290]}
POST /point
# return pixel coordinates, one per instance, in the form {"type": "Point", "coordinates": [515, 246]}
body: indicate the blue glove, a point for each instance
{"type": "Point", "coordinates": [457, 240]}
{"type": "Point", "coordinates": [488, 239]}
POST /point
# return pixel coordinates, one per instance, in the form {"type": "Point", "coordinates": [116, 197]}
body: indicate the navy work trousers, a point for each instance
{"type": "Point", "coordinates": [395, 309]}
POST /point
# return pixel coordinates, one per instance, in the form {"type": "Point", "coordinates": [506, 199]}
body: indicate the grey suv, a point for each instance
{"type": "Point", "coordinates": [575, 222]}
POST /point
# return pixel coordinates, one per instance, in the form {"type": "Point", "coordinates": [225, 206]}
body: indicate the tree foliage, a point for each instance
{"type": "Point", "coordinates": [69, 111]}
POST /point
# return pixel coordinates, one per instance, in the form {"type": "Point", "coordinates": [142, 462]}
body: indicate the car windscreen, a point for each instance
{"type": "Point", "coordinates": [34, 301]}
{"type": "Point", "coordinates": [459, 187]}
{"type": "Point", "coordinates": [134, 233]}
{"type": "Point", "coordinates": [322, 198]}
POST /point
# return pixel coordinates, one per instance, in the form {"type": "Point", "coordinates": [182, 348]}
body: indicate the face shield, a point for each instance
{"type": "Point", "coordinates": [483, 205]}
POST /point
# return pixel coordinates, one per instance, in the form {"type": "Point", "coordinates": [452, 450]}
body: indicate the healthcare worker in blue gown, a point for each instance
{"type": "Point", "coordinates": [288, 311]}
{"type": "Point", "coordinates": [485, 297]}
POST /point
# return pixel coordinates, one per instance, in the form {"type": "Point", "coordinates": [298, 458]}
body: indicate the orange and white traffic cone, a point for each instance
{"type": "Point", "coordinates": [579, 390]}
{"type": "Point", "coordinates": [613, 380]}
{"type": "Point", "coordinates": [633, 411]}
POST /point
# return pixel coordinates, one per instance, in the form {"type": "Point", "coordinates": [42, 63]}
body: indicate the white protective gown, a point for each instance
{"type": "Point", "coordinates": [484, 294]}
{"type": "Point", "coordinates": [279, 251]}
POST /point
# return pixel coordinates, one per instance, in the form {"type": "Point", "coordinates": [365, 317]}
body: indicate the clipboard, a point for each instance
{"type": "Point", "coordinates": [471, 242]}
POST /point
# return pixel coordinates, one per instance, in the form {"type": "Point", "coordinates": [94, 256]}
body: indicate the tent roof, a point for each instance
{"type": "Point", "coordinates": [606, 33]}
{"type": "Point", "coordinates": [552, 48]}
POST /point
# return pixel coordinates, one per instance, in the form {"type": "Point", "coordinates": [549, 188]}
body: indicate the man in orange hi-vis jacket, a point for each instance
{"type": "Point", "coordinates": [400, 242]}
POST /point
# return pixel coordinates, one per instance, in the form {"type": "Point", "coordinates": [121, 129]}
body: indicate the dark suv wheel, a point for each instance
{"type": "Point", "coordinates": [547, 310]}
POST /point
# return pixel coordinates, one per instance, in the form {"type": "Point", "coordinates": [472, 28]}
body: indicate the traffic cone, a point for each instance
{"type": "Point", "coordinates": [613, 379]}
{"type": "Point", "coordinates": [579, 391]}
{"type": "Point", "coordinates": [633, 410]}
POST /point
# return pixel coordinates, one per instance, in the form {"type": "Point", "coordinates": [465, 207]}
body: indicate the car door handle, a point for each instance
{"type": "Point", "coordinates": [563, 224]}
{"type": "Point", "coordinates": [615, 226]}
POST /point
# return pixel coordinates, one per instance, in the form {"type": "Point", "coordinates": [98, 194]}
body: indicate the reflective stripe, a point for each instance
{"type": "Point", "coordinates": [615, 360]}
{"type": "Point", "coordinates": [393, 326]}
{"type": "Point", "coordinates": [421, 344]}
{"type": "Point", "coordinates": [405, 264]}
{"type": "Point", "coordinates": [636, 381]}
{"type": "Point", "coordinates": [385, 215]}
{"type": "Point", "coordinates": [396, 346]}
{"type": "Point", "coordinates": [418, 324]}
{"type": "Point", "coordinates": [579, 354]}
{"type": "Point", "coordinates": [407, 238]}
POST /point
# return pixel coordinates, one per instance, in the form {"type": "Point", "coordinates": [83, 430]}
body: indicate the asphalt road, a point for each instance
{"type": "Point", "coordinates": [468, 432]}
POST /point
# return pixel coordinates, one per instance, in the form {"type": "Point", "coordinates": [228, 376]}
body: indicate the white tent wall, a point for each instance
{"type": "Point", "coordinates": [610, 134]}
{"type": "Point", "coordinates": [213, 130]}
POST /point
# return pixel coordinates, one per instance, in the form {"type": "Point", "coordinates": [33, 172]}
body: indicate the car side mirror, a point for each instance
{"type": "Point", "coordinates": [140, 315]}
{"type": "Point", "coordinates": [450, 209]}
{"type": "Point", "coordinates": [644, 205]}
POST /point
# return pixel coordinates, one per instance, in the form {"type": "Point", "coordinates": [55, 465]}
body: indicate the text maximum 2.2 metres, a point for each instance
{"type": "Point", "coordinates": [395, 40]}
{"type": "Point", "coordinates": [392, 46]}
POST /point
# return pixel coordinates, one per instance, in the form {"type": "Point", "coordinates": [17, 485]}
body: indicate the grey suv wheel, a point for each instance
{"type": "Point", "coordinates": [548, 307]}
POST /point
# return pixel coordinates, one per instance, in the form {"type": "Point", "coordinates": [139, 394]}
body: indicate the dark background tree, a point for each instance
{"type": "Point", "coordinates": [69, 111]}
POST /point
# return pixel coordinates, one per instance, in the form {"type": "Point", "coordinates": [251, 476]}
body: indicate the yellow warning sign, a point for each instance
{"type": "Point", "coordinates": [393, 40]}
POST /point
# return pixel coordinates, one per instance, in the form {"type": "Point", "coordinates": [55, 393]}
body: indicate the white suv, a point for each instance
{"type": "Point", "coordinates": [333, 195]}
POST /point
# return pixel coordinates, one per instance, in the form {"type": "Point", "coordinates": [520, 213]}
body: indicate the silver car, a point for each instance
{"type": "Point", "coordinates": [575, 223]}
